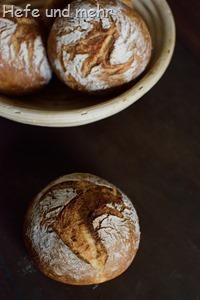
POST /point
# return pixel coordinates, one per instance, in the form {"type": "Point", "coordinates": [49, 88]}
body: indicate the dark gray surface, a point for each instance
{"type": "Point", "coordinates": [152, 152]}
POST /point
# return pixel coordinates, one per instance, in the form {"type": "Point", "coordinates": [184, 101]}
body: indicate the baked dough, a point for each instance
{"type": "Point", "coordinates": [96, 54]}
{"type": "Point", "coordinates": [24, 66]}
{"type": "Point", "coordinates": [81, 230]}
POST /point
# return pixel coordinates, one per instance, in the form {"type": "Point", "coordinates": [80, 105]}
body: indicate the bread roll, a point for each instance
{"type": "Point", "coordinates": [23, 62]}
{"type": "Point", "coordinates": [96, 54]}
{"type": "Point", "coordinates": [81, 230]}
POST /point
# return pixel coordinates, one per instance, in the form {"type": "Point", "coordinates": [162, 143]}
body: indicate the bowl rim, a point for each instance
{"type": "Point", "coordinates": [99, 111]}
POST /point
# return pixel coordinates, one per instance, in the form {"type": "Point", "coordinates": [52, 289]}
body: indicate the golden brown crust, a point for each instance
{"type": "Point", "coordinates": [101, 53]}
{"type": "Point", "coordinates": [23, 63]}
{"type": "Point", "coordinates": [81, 230]}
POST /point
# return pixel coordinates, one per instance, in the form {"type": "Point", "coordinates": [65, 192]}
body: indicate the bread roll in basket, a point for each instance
{"type": "Point", "coordinates": [93, 46]}
{"type": "Point", "coordinates": [60, 106]}
{"type": "Point", "coordinates": [24, 67]}
{"type": "Point", "coordinates": [100, 47]}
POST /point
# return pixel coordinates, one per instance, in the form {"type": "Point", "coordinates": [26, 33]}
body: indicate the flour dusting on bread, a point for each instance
{"type": "Point", "coordinates": [81, 229]}
{"type": "Point", "coordinates": [98, 53]}
{"type": "Point", "coordinates": [23, 62]}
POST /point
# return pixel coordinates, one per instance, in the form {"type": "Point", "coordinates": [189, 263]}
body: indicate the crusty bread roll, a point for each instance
{"type": "Point", "coordinates": [23, 62]}
{"type": "Point", "coordinates": [81, 230]}
{"type": "Point", "coordinates": [96, 54]}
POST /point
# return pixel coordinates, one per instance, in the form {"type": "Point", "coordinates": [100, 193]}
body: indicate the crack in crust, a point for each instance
{"type": "Point", "coordinates": [22, 54]}
{"type": "Point", "coordinates": [98, 44]}
{"type": "Point", "coordinates": [73, 223]}
{"type": "Point", "coordinates": [102, 53]}
{"type": "Point", "coordinates": [27, 29]}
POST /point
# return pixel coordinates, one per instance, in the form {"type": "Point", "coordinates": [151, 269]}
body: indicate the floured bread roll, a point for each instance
{"type": "Point", "coordinates": [102, 52]}
{"type": "Point", "coordinates": [81, 230]}
{"type": "Point", "coordinates": [23, 62]}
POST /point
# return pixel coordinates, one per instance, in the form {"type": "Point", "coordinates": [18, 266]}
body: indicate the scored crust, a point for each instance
{"type": "Point", "coordinates": [101, 53]}
{"type": "Point", "coordinates": [82, 230]}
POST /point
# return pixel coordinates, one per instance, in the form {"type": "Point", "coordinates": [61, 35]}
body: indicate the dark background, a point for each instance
{"type": "Point", "coordinates": [151, 151]}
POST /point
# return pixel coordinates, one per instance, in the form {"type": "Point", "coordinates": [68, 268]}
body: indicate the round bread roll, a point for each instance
{"type": "Point", "coordinates": [24, 66]}
{"type": "Point", "coordinates": [99, 53]}
{"type": "Point", "coordinates": [81, 230]}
